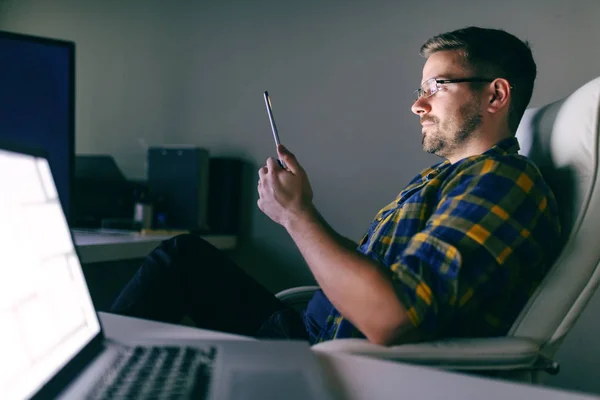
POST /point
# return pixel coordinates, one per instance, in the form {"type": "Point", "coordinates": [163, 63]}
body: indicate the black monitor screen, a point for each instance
{"type": "Point", "coordinates": [37, 95]}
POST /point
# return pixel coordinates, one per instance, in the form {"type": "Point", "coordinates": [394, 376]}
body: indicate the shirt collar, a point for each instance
{"type": "Point", "coordinates": [506, 146]}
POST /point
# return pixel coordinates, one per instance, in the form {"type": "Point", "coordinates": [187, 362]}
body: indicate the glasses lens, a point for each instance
{"type": "Point", "coordinates": [417, 94]}
{"type": "Point", "coordinates": [429, 87]}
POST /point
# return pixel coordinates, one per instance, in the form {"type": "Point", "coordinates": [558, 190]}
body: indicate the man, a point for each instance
{"type": "Point", "coordinates": [457, 253]}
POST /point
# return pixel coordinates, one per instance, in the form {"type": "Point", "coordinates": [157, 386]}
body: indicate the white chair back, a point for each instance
{"type": "Point", "coordinates": [562, 138]}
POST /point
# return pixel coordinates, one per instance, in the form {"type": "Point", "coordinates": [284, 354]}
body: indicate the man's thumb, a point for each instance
{"type": "Point", "coordinates": [288, 158]}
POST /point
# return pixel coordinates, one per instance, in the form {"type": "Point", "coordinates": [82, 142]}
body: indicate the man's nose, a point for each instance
{"type": "Point", "coordinates": [421, 106]}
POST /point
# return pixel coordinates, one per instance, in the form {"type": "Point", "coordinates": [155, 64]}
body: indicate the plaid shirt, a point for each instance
{"type": "Point", "coordinates": [464, 245]}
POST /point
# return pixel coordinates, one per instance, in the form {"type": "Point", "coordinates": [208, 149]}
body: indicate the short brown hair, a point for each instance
{"type": "Point", "coordinates": [493, 53]}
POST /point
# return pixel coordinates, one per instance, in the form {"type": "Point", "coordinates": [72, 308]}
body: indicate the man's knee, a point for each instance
{"type": "Point", "coordinates": [189, 245]}
{"type": "Point", "coordinates": [187, 241]}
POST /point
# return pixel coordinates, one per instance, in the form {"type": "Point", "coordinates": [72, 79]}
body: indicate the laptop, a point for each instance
{"type": "Point", "coordinates": [51, 340]}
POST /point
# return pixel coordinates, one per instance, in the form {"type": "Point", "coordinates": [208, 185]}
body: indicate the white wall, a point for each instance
{"type": "Point", "coordinates": [341, 76]}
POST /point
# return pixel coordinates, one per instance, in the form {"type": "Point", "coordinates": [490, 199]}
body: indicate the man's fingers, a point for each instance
{"type": "Point", "coordinates": [272, 164]}
{"type": "Point", "coordinates": [262, 172]}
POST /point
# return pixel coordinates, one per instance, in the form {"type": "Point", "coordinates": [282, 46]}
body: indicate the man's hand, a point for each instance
{"type": "Point", "coordinates": [284, 194]}
{"type": "Point", "coordinates": [354, 283]}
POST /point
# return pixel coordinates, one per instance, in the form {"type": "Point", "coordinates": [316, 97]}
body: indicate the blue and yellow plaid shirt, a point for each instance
{"type": "Point", "coordinates": [464, 245]}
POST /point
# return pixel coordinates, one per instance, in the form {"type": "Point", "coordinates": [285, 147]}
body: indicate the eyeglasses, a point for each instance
{"type": "Point", "coordinates": [431, 86]}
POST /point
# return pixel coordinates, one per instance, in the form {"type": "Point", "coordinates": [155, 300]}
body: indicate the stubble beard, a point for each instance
{"type": "Point", "coordinates": [448, 137]}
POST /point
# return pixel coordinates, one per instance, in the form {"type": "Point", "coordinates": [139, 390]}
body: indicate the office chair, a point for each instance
{"type": "Point", "coordinates": [562, 138]}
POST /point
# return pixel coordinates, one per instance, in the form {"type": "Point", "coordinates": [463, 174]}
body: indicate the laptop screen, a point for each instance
{"type": "Point", "coordinates": [46, 313]}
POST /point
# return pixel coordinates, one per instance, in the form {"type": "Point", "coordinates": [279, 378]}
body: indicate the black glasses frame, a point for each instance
{"type": "Point", "coordinates": [419, 92]}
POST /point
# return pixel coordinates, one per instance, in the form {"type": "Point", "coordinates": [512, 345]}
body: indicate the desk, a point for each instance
{"type": "Point", "coordinates": [354, 377]}
{"type": "Point", "coordinates": [101, 247]}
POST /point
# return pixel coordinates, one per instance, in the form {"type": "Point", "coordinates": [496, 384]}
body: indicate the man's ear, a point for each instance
{"type": "Point", "coordinates": [499, 98]}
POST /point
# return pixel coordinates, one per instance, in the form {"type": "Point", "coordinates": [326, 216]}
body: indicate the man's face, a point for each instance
{"type": "Point", "coordinates": [452, 115]}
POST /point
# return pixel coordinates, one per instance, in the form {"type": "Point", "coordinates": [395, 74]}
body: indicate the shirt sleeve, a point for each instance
{"type": "Point", "coordinates": [485, 212]}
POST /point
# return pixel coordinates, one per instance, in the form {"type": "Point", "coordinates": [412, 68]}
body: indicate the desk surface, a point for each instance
{"type": "Point", "coordinates": [355, 377]}
{"type": "Point", "coordinates": [101, 247]}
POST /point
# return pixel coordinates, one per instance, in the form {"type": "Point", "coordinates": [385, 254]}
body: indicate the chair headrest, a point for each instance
{"type": "Point", "coordinates": [562, 140]}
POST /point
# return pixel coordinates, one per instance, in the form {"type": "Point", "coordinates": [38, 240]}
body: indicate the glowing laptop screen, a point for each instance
{"type": "Point", "coordinates": [46, 313]}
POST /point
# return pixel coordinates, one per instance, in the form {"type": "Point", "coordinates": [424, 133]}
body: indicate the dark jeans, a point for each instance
{"type": "Point", "coordinates": [188, 276]}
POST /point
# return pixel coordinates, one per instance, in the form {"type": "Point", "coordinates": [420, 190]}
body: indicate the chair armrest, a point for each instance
{"type": "Point", "coordinates": [478, 354]}
{"type": "Point", "coordinates": [501, 353]}
{"type": "Point", "coordinates": [297, 297]}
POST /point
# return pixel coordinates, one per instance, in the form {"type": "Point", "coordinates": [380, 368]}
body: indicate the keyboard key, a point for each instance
{"type": "Point", "coordinates": [157, 373]}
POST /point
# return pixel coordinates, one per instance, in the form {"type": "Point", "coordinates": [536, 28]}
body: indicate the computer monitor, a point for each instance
{"type": "Point", "coordinates": [37, 102]}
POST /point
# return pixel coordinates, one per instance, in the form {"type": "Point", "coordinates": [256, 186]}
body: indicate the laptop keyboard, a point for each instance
{"type": "Point", "coordinates": [157, 373]}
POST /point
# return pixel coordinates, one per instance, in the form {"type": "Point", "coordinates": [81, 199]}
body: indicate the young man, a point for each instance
{"type": "Point", "coordinates": [457, 253]}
